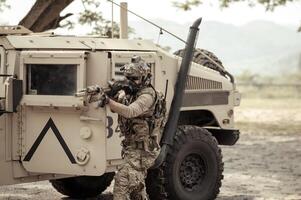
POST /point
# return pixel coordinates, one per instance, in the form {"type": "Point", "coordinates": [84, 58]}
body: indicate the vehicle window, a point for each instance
{"type": "Point", "coordinates": [117, 72]}
{"type": "Point", "coordinates": [47, 79]}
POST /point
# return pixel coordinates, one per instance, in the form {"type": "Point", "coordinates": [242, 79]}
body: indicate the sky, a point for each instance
{"type": "Point", "coordinates": [237, 14]}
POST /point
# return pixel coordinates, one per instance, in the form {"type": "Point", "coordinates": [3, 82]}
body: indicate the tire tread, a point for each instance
{"type": "Point", "coordinates": [158, 178]}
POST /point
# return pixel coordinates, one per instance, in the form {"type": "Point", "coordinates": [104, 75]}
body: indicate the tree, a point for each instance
{"type": "Point", "coordinates": [270, 5]}
{"type": "Point", "coordinates": [45, 14]}
{"type": "Point", "coordinates": [3, 5]}
{"type": "Point", "coordinates": [93, 18]}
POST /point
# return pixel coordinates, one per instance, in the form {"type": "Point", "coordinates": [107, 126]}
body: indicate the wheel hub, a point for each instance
{"type": "Point", "coordinates": [192, 172]}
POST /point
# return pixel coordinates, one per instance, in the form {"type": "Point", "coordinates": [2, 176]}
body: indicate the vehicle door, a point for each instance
{"type": "Point", "coordinates": [59, 133]}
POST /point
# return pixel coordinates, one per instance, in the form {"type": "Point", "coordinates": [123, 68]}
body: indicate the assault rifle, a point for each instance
{"type": "Point", "coordinates": [97, 93]}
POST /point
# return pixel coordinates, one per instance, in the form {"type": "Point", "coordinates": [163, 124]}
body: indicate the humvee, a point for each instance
{"type": "Point", "coordinates": [46, 133]}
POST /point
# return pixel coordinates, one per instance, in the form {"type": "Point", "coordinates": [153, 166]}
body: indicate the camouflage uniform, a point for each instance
{"type": "Point", "coordinates": [140, 145]}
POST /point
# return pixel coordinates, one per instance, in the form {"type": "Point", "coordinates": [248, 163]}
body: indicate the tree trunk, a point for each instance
{"type": "Point", "coordinates": [45, 15]}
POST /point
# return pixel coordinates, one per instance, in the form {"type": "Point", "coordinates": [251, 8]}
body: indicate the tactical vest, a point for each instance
{"type": "Point", "coordinates": [143, 131]}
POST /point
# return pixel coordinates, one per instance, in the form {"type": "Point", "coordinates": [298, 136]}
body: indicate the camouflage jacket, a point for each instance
{"type": "Point", "coordinates": [136, 120]}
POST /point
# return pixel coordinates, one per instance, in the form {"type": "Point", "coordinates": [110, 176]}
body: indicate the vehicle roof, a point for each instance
{"type": "Point", "coordinates": [75, 43]}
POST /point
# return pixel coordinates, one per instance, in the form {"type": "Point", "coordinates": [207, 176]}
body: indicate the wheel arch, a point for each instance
{"type": "Point", "coordinates": [206, 119]}
{"type": "Point", "coordinates": [199, 118]}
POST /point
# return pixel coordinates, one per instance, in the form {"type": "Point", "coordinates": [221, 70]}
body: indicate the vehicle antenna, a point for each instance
{"type": "Point", "coordinates": [148, 21]}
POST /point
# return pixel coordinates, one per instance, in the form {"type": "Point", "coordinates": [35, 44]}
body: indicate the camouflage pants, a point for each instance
{"type": "Point", "coordinates": [130, 178]}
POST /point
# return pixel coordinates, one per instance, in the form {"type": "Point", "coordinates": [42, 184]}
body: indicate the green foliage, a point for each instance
{"type": "Point", "coordinates": [3, 5]}
{"type": "Point", "coordinates": [270, 5]}
{"type": "Point", "coordinates": [92, 16]}
{"type": "Point", "coordinates": [247, 77]}
{"type": "Point", "coordinates": [272, 87]}
{"type": "Point", "coordinates": [272, 91]}
{"type": "Point", "coordinates": [105, 29]}
{"type": "Point", "coordinates": [291, 78]}
{"type": "Point", "coordinates": [187, 4]}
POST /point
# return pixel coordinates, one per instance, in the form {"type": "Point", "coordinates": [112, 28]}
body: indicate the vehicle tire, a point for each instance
{"type": "Point", "coordinates": [192, 170]}
{"type": "Point", "coordinates": [199, 58]}
{"type": "Point", "coordinates": [83, 186]}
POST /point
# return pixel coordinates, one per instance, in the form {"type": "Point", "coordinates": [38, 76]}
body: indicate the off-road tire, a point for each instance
{"type": "Point", "coordinates": [191, 145]}
{"type": "Point", "coordinates": [83, 186]}
{"type": "Point", "coordinates": [199, 58]}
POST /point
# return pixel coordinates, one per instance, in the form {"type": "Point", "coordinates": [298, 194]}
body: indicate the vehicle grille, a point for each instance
{"type": "Point", "coordinates": [197, 83]}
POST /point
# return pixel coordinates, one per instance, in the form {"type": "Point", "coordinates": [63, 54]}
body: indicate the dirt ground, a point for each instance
{"type": "Point", "coordinates": [264, 164]}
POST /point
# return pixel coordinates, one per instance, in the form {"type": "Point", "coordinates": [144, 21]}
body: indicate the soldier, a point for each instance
{"type": "Point", "coordinates": [140, 120]}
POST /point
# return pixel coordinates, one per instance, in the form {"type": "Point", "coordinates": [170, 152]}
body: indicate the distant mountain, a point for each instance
{"type": "Point", "coordinates": [259, 46]}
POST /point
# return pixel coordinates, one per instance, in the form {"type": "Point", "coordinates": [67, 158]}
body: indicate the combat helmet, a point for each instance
{"type": "Point", "coordinates": [137, 69]}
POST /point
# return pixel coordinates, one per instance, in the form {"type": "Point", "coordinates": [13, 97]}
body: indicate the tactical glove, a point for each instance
{"type": "Point", "coordinates": [103, 100]}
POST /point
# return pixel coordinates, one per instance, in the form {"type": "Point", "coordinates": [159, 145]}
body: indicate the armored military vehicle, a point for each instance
{"type": "Point", "coordinates": [46, 133]}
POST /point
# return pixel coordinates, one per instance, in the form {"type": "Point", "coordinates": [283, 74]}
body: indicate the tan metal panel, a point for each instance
{"type": "Point", "coordinates": [84, 43]}
{"type": "Point", "coordinates": [119, 44]}
{"type": "Point", "coordinates": [51, 101]}
{"type": "Point", "coordinates": [10, 30]}
{"type": "Point", "coordinates": [38, 42]}
{"type": "Point", "coordinates": [5, 43]}
{"type": "Point", "coordinates": [60, 135]}
{"type": "Point", "coordinates": [49, 155]}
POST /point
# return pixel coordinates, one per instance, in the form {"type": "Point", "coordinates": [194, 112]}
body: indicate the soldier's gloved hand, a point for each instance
{"type": "Point", "coordinates": [103, 100]}
{"type": "Point", "coordinates": [120, 95]}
